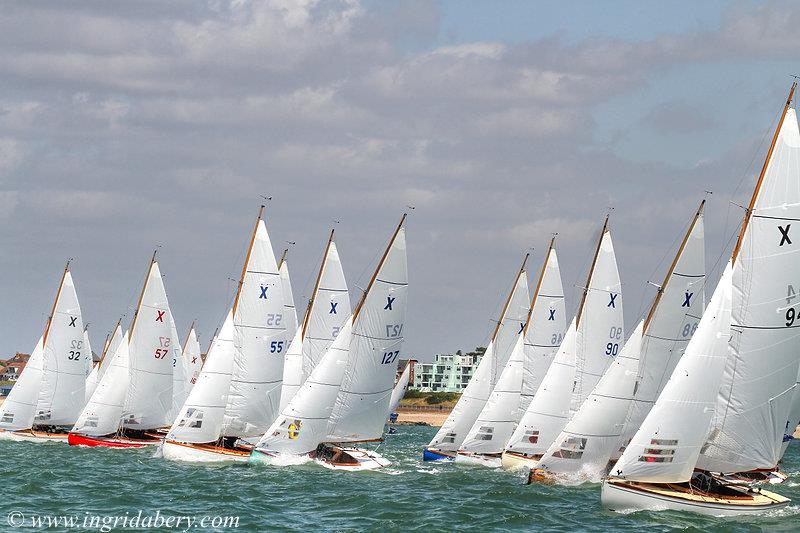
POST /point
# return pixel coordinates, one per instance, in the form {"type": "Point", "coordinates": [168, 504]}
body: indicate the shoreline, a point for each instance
{"type": "Point", "coordinates": [434, 418]}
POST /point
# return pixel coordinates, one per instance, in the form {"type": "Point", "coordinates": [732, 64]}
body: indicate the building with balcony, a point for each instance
{"type": "Point", "coordinates": [448, 372]}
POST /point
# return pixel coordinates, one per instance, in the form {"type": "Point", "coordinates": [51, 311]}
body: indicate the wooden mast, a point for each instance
{"type": "Point", "coordinates": [188, 334]}
{"type": "Point", "coordinates": [539, 284]}
{"type": "Point", "coordinates": [760, 181]}
{"type": "Point", "coordinates": [141, 295]}
{"type": "Point", "coordinates": [663, 285]}
{"type": "Point", "coordinates": [55, 303]}
{"type": "Point", "coordinates": [378, 268]}
{"type": "Point", "coordinates": [109, 340]}
{"type": "Point", "coordinates": [591, 271]}
{"type": "Point", "coordinates": [307, 316]}
{"type": "Point", "coordinates": [510, 295]}
{"type": "Point", "coordinates": [283, 258]}
{"type": "Point", "coordinates": [247, 259]}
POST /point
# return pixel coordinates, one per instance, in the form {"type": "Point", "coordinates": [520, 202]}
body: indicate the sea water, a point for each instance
{"type": "Point", "coordinates": [93, 485]}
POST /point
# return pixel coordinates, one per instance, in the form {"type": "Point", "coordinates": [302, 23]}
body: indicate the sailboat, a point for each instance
{"type": "Point", "coordinates": [589, 346]}
{"type": "Point", "coordinates": [400, 388]}
{"type": "Point", "coordinates": [91, 378]}
{"type": "Point", "coordinates": [533, 353]}
{"type": "Point", "coordinates": [51, 391]}
{"type": "Point", "coordinates": [327, 310]}
{"type": "Point", "coordinates": [724, 408]}
{"type": "Point", "coordinates": [192, 357]}
{"type": "Point", "coordinates": [181, 374]}
{"type": "Point", "coordinates": [596, 431]}
{"type": "Point", "coordinates": [289, 311]}
{"type": "Point", "coordinates": [134, 396]}
{"type": "Point", "coordinates": [451, 435]}
{"type": "Point", "coordinates": [109, 349]}
{"type": "Point", "coordinates": [346, 398]}
{"type": "Point", "coordinates": [239, 386]}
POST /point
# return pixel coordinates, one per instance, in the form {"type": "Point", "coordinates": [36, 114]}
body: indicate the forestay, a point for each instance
{"type": "Point", "coordinates": [666, 447]}
{"type": "Point", "coordinates": [755, 399]}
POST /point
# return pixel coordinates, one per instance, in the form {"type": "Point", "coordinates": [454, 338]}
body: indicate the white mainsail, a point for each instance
{"type": "Point", "coordinates": [180, 373]}
{"type": "Point", "coordinates": [590, 344]}
{"type": "Point", "coordinates": [328, 309]}
{"type": "Point", "coordinates": [63, 390]}
{"type": "Point", "coordinates": [109, 350]}
{"type": "Point", "coordinates": [451, 435]}
{"type": "Point", "coordinates": [102, 414]}
{"type": "Point", "coordinates": [594, 433]}
{"type": "Point", "coordinates": [289, 311]}
{"type": "Point", "coordinates": [400, 388]}
{"type": "Point", "coordinates": [755, 399]}
{"type": "Point", "coordinates": [19, 408]}
{"type": "Point", "coordinates": [93, 368]}
{"type": "Point", "coordinates": [536, 346]}
{"type": "Point", "coordinates": [201, 418]}
{"type": "Point", "coordinates": [666, 447]}
{"type": "Point", "coordinates": [148, 402]}
{"type": "Point", "coordinates": [346, 397]}
{"type": "Point", "coordinates": [260, 341]}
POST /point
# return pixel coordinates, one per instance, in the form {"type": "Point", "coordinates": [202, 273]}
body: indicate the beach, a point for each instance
{"type": "Point", "coordinates": [416, 416]}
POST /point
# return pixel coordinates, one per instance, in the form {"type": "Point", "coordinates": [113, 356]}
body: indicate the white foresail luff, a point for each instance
{"type": "Point", "coordinates": [666, 447]}
{"type": "Point", "coordinates": [200, 419]}
{"type": "Point", "coordinates": [525, 368]}
{"type": "Point", "coordinates": [92, 368]}
{"type": "Point", "coordinates": [590, 344]}
{"type": "Point", "coordinates": [289, 310]}
{"type": "Point", "coordinates": [19, 408]}
{"type": "Point", "coordinates": [328, 309]}
{"type": "Point", "coordinates": [755, 398]}
{"type": "Point", "coordinates": [400, 388]}
{"type": "Point", "coordinates": [63, 391]}
{"type": "Point", "coordinates": [451, 435]}
{"type": "Point", "coordinates": [148, 402]}
{"type": "Point", "coordinates": [180, 373]}
{"type": "Point", "coordinates": [362, 404]}
{"type": "Point", "coordinates": [110, 349]}
{"type": "Point", "coordinates": [260, 342]}
{"type": "Point", "coordinates": [594, 433]}
{"type": "Point", "coordinates": [102, 415]}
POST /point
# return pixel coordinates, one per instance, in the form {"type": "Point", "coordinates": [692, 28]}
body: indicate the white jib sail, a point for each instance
{"type": "Point", "coordinates": [303, 424]}
{"type": "Point", "coordinates": [755, 399]}
{"type": "Point", "coordinates": [451, 435]}
{"type": "Point", "coordinates": [328, 309]}
{"type": "Point", "coordinates": [193, 358]}
{"type": "Point", "coordinates": [111, 348]}
{"type": "Point", "coordinates": [200, 420]}
{"type": "Point", "coordinates": [536, 346]}
{"type": "Point", "coordinates": [148, 402]}
{"type": "Point", "coordinates": [400, 388]}
{"type": "Point", "coordinates": [594, 433]}
{"type": "Point", "coordinates": [260, 342]}
{"type": "Point", "coordinates": [63, 391]}
{"type": "Point", "coordinates": [666, 447]}
{"type": "Point", "coordinates": [362, 405]}
{"type": "Point", "coordinates": [289, 310]}
{"type": "Point", "coordinates": [102, 415]}
{"type": "Point", "coordinates": [19, 408]}
{"type": "Point", "coordinates": [180, 373]}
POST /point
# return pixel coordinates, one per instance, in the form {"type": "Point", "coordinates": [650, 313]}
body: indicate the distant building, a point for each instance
{"type": "Point", "coordinates": [448, 372]}
{"type": "Point", "coordinates": [14, 367]}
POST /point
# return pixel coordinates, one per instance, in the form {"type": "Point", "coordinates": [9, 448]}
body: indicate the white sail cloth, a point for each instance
{"type": "Point", "coordinates": [289, 310]}
{"type": "Point", "coordinates": [327, 312]}
{"type": "Point", "coordinates": [400, 388]}
{"type": "Point", "coordinates": [193, 358]}
{"type": "Point", "coordinates": [201, 417]}
{"type": "Point", "coordinates": [666, 447]}
{"type": "Point", "coordinates": [19, 408]}
{"type": "Point", "coordinates": [260, 343]}
{"type": "Point", "coordinates": [536, 346]}
{"type": "Point", "coordinates": [103, 413]}
{"type": "Point", "coordinates": [63, 390]}
{"type": "Point", "coordinates": [148, 402]}
{"type": "Point", "coordinates": [758, 385]}
{"type": "Point", "coordinates": [451, 435]}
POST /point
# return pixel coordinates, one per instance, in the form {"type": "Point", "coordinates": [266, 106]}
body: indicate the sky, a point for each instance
{"type": "Point", "coordinates": [126, 127]}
